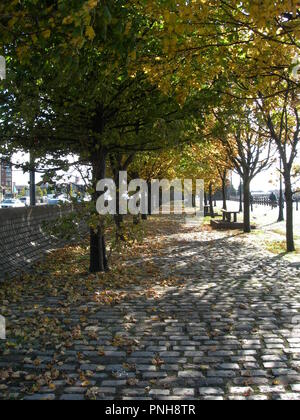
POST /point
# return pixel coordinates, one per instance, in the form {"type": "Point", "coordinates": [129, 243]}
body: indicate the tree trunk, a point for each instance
{"type": "Point", "coordinates": [160, 200]}
{"type": "Point", "coordinates": [149, 197]}
{"type": "Point", "coordinates": [205, 199]}
{"type": "Point", "coordinates": [290, 244]}
{"type": "Point", "coordinates": [224, 193]}
{"type": "Point", "coordinates": [118, 218]}
{"type": "Point", "coordinates": [193, 200]}
{"type": "Point", "coordinates": [281, 205]}
{"type": "Point", "coordinates": [136, 219]}
{"type": "Point", "coordinates": [211, 205]}
{"type": "Point", "coordinates": [98, 258]}
{"type": "Point", "coordinates": [247, 222]}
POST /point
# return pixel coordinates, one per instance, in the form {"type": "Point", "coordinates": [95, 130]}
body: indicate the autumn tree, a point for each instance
{"type": "Point", "coordinates": [97, 110]}
{"type": "Point", "coordinates": [160, 164]}
{"type": "Point", "coordinates": [78, 69]}
{"type": "Point", "coordinates": [196, 162]}
{"type": "Point", "coordinates": [224, 167]}
{"type": "Point", "coordinates": [247, 147]}
{"type": "Point", "coordinates": [283, 122]}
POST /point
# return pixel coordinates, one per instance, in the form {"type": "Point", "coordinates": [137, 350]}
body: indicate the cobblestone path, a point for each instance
{"type": "Point", "coordinates": [229, 330]}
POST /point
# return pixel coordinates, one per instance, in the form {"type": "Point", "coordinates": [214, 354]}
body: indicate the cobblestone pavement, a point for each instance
{"type": "Point", "coordinates": [229, 331]}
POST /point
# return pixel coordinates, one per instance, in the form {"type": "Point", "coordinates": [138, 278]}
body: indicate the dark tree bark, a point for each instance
{"type": "Point", "coordinates": [98, 258]}
{"type": "Point", "coordinates": [136, 219]}
{"type": "Point", "coordinates": [160, 202]}
{"type": "Point", "coordinates": [224, 192]}
{"type": "Point", "coordinates": [247, 221]}
{"type": "Point", "coordinates": [149, 198]}
{"type": "Point", "coordinates": [194, 200]}
{"type": "Point", "coordinates": [211, 205]}
{"type": "Point", "coordinates": [281, 200]}
{"type": "Point", "coordinates": [290, 243]}
{"type": "Point", "coordinates": [205, 199]}
{"type": "Point", "coordinates": [118, 218]}
{"type": "Point", "coordinates": [224, 188]}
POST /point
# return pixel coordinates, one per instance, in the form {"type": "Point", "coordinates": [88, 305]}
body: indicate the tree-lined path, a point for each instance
{"type": "Point", "coordinates": [148, 307]}
{"type": "Point", "coordinates": [195, 315]}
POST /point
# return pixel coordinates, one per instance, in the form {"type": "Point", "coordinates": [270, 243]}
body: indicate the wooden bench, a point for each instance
{"type": "Point", "coordinates": [227, 215]}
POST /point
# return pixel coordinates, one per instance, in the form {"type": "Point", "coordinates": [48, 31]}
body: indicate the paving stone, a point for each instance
{"type": "Point", "coordinates": [272, 389]}
{"type": "Point", "coordinates": [190, 374]}
{"type": "Point", "coordinates": [221, 373]}
{"type": "Point", "coordinates": [281, 372]}
{"type": "Point", "coordinates": [226, 334]}
{"type": "Point", "coordinates": [113, 383]}
{"type": "Point", "coordinates": [277, 365]}
{"type": "Point", "coordinates": [151, 375]}
{"type": "Point", "coordinates": [184, 392]}
{"type": "Point", "coordinates": [229, 366]}
{"type": "Point", "coordinates": [163, 392]}
{"type": "Point", "coordinates": [211, 391]}
{"type": "Point", "coordinates": [288, 396]}
{"type": "Point", "coordinates": [38, 397]}
{"type": "Point", "coordinates": [74, 390]}
{"type": "Point", "coordinates": [72, 397]}
{"type": "Point", "coordinates": [241, 390]}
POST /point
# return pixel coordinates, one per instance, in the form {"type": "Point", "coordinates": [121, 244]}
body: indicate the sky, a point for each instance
{"type": "Point", "coordinates": [20, 178]}
{"type": "Point", "coordinates": [265, 181]}
{"type": "Point", "coordinates": [261, 182]}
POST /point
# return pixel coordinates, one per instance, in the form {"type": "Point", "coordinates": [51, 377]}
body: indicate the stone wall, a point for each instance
{"type": "Point", "coordinates": [22, 238]}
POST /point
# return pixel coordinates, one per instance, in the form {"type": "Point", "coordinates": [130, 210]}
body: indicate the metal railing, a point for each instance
{"type": "Point", "coordinates": [265, 201]}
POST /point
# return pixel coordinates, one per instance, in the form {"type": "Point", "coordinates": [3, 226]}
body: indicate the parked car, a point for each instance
{"type": "Point", "coordinates": [53, 201]}
{"type": "Point", "coordinates": [25, 201]}
{"type": "Point", "coordinates": [61, 199]}
{"type": "Point", "coordinates": [11, 203]}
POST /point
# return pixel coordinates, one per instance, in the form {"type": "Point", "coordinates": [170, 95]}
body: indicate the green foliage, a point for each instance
{"type": "Point", "coordinates": [91, 78]}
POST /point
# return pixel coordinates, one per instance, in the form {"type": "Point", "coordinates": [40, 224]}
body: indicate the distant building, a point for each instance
{"type": "Point", "coordinates": [5, 177]}
{"type": "Point", "coordinates": [63, 188]}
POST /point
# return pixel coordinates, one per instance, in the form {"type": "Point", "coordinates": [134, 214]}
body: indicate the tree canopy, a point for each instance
{"type": "Point", "coordinates": [98, 78]}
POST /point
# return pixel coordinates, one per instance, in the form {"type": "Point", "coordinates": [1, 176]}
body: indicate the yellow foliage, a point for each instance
{"type": "Point", "coordinates": [34, 38]}
{"type": "Point", "coordinates": [67, 20]}
{"type": "Point", "coordinates": [92, 4]}
{"type": "Point", "coordinates": [46, 34]}
{"type": "Point", "coordinates": [90, 33]}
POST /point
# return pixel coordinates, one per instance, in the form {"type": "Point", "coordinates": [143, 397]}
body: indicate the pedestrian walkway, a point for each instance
{"type": "Point", "coordinates": [225, 324]}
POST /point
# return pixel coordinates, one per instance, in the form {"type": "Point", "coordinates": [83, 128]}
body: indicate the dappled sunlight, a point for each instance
{"type": "Point", "coordinates": [198, 309]}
